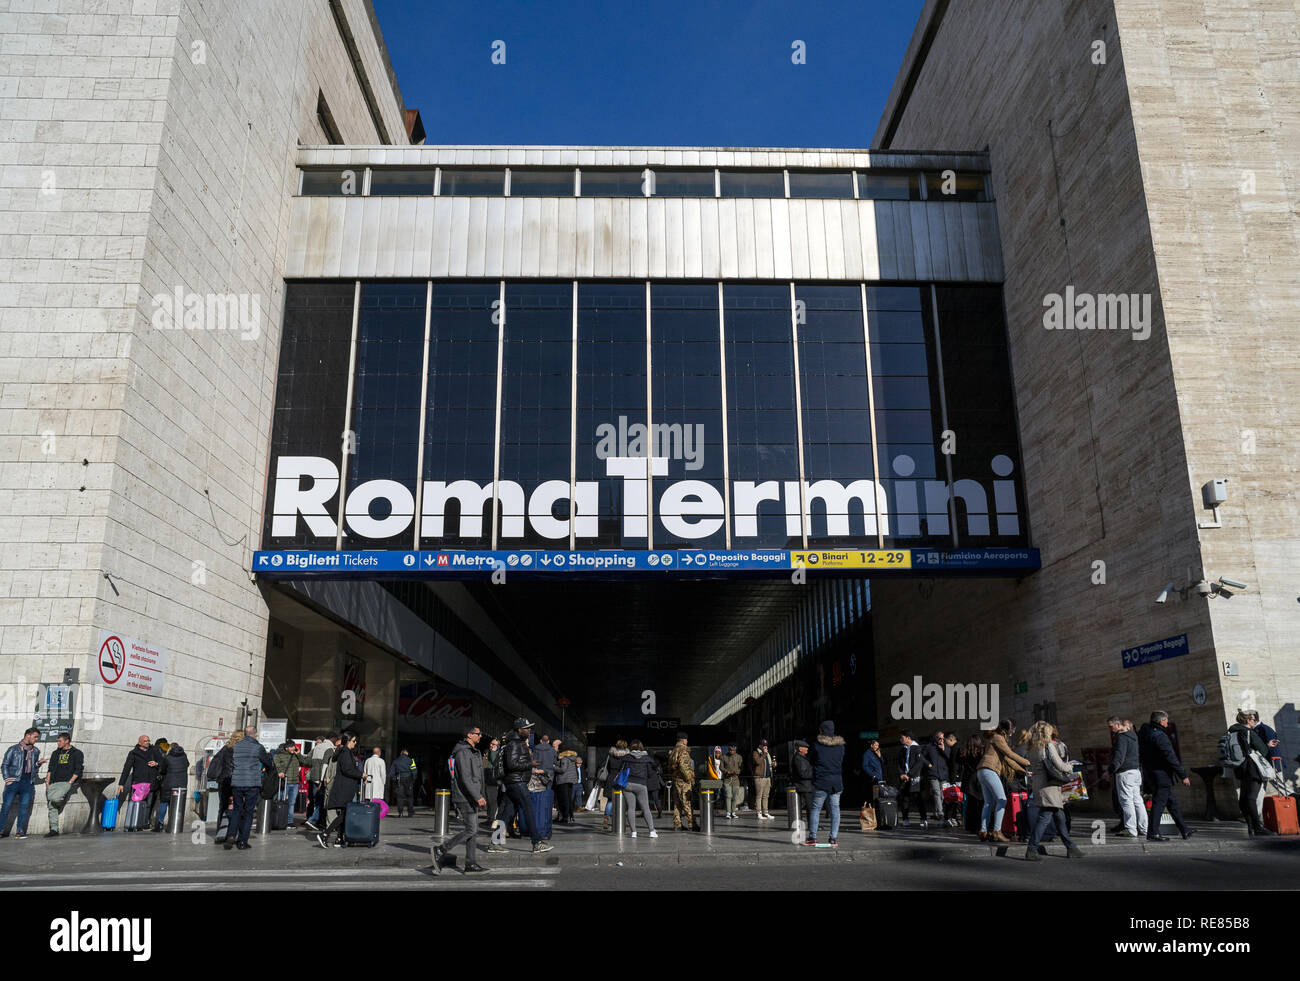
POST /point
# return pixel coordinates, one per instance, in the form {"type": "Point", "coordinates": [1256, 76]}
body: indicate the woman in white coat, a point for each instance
{"type": "Point", "coordinates": [376, 773]}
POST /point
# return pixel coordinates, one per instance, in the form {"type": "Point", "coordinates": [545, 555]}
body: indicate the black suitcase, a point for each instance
{"type": "Point", "coordinates": [135, 815]}
{"type": "Point", "coordinates": [887, 812]}
{"type": "Point", "coordinates": [280, 810]}
{"type": "Point", "coordinates": [361, 823]}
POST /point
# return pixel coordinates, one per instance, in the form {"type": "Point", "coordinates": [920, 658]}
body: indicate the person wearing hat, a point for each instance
{"type": "Point", "coordinates": [801, 774]}
{"type": "Point", "coordinates": [518, 766]}
{"type": "Point", "coordinates": [681, 771]}
{"type": "Point", "coordinates": [763, 767]}
{"type": "Point", "coordinates": [735, 793]}
{"type": "Point", "coordinates": [828, 781]}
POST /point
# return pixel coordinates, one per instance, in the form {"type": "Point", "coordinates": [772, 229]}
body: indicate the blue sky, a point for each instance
{"type": "Point", "coordinates": [684, 74]}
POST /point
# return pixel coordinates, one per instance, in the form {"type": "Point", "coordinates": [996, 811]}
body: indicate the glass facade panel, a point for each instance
{"type": "Point", "coordinates": [310, 407]}
{"type": "Point", "coordinates": [962, 187]}
{"type": "Point", "coordinates": [460, 416]}
{"type": "Point", "coordinates": [908, 422]}
{"type": "Point", "coordinates": [762, 434]}
{"type": "Point", "coordinates": [836, 416]}
{"type": "Point", "coordinates": [458, 182]}
{"type": "Point", "coordinates": [886, 186]}
{"type": "Point", "coordinates": [684, 184]}
{"type": "Point", "coordinates": [536, 408]}
{"type": "Point", "coordinates": [331, 181]}
{"type": "Point", "coordinates": [613, 183]}
{"type": "Point", "coordinates": [385, 181]}
{"type": "Point", "coordinates": [612, 409]}
{"type": "Point", "coordinates": [821, 184]}
{"type": "Point", "coordinates": [386, 415]}
{"type": "Point", "coordinates": [541, 183]}
{"type": "Point", "coordinates": [752, 183]}
{"type": "Point", "coordinates": [686, 391]}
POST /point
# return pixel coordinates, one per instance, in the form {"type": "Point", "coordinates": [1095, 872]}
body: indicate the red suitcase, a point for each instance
{"type": "Point", "coordinates": [1013, 818]}
{"type": "Point", "coordinates": [1280, 815]}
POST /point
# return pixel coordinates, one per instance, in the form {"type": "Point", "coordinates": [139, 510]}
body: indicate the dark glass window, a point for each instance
{"type": "Point", "coordinates": [310, 400]}
{"type": "Point", "coordinates": [684, 183]}
{"type": "Point", "coordinates": [836, 415]}
{"type": "Point", "coordinates": [963, 187]}
{"type": "Point", "coordinates": [323, 182]}
{"type": "Point", "coordinates": [613, 183]}
{"type": "Point", "coordinates": [460, 414]}
{"type": "Point", "coordinates": [409, 182]}
{"type": "Point", "coordinates": [762, 434]}
{"type": "Point", "coordinates": [551, 183]}
{"type": "Point", "coordinates": [386, 413]}
{"type": "Point", "coordinates": [908, 423]}
{"type": "Point", "coordinates": [611, 404]}
{"type": "Point", "coordinates": [686, 392]}
{"type": "Point", "coordinates": [536, 406]}
{"type": "Point", "coordinates": [752, 183]}
{"type": "Point", "coordinates": [982, 414]}
{"type": "Point", "coordinates": [821, 184]}
{"type": "Point", "coordinates": [884, 185]}
{"type": "Point", "coordinates": [472, 183]}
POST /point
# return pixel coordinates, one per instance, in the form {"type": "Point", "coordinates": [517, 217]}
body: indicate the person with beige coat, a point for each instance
{"type": "Point", "coordinates": [998, 763]}
{"type": "Point", "coordinates": [1049, 769]}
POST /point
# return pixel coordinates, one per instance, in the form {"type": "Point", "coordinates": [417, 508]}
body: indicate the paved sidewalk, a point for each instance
{"type": "Point", "coordinates": [405, 843]}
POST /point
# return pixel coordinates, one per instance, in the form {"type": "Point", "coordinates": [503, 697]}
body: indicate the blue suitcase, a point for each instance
{"type": "Point", "coordinates": [108, 818]}
{"type": "Point", "coordinates": [542, 801]}
{"type": "Point", "coordinates": [361, 823]}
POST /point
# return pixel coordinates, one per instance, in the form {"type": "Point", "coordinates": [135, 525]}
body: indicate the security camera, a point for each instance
{"type": "Point", "coordinates": [1232, 583]}
{"type": "Point", "coordinates": [1164, 594]}
{"type": "Point", "coordinates": [1203, 588]}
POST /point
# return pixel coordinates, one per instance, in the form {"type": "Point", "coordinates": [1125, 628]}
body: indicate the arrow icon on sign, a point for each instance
{"type": "Point", "coordinates": [428, 560]}
{"type": "Point", "coordinates": [545, 560]}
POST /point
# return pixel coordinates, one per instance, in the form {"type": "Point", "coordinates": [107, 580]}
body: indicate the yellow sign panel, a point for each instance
{"type": "Point", "coordinates": [853, 559]}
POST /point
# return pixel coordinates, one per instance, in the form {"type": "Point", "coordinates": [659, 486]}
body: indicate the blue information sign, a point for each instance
{"type": "Point", "coordinates": [1155, 651]}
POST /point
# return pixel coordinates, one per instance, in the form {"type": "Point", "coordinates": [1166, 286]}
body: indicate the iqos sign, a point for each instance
{"type": "Point", "coordinates": [304, 486]}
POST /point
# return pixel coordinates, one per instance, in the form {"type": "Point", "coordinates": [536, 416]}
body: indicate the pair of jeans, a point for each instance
{"type": "Point", "coordinates": [1162, 796]}
{"type": "Point", "coordinates": [466, 836]}
{"type": "Point", "coordinates": [316, 812]}
{"type": "Point", "coordinates": [633, 794]}
{"type": "Point", "coordinates": [1128, 786]}
{"type": "Point", "coordinates": [1047, 815]}
{"type": "Point", "coordinates": [56, 798]}
{"type": "Point", "coordinates": [995, 799]}
{"type": "Point", "coordinates": [291, 794]}
{"type": "Point", "coordinates": [25, 791]}
{"type": "Point", "coordinates": [241, 822]}
{"type": "Point", "coordinates": [934, 797]}
{"type": "Point", "coordinates": [814, 812]}
{"type": "Point", "coordinates": [517, 795]}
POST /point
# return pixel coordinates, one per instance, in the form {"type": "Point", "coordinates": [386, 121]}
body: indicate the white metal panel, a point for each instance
{"type": "Point", "coordinates": [692, 254]}
{"type": "Point", "coordinates": [476, 237]}
{"type": "Point", "coordinates": [952, 242]}
{"type": "Point", "coordinates": [299, 226]}
{"type": "Point", "coordinates": [902, 211]}
{"type": "Point", "coordinates": [602, 234]}
{"type": "Point", "coordinates": [335, 211]}
{"type": "Point", "coordinates": [799, 235]}
{"type": "Point", "coordinates": [532, 233]}
{"type": "Point", "coordinates": [533, 156]}
{"type": "Point", "coordinates": [936, 235]}
{"type": "Point", "coordinates": [512, 261]}
{"type": "Point", "coordinates": [850, 239]}
{"type": "Point", "coordinates": [727, 253]}
{"type": "Point", "coordinates": [658, 258]}
{"type": "Point", "coordinates": [444, 217]}
{"type": "Point", "coordinates": [560, 256]}
{"type": "Point", "coordinates": [673, 237]}
{"type": "Point", "coordinates": [584, 223]}
{"type": "Point", "coordinates": [603, 158]}
{"type": "Point", "coordinates": [386, 251]}
{"type": "Point", "coordinates": [404, 235]}
{"type": "Point", "coordinates": [638, 240]}
{"type": "Point", "coordinates": [970, 240]}
{"type": "Point", "coordinates": [586, 158]}
{"type": "Point", "coordinates": [868, 236]}
{"type": "Point", "coordinates": [494, 228]}
{"type": "Point", "coordinates": [782, 257]}
{"type": "Point", "coordinates": [835, 264]}
{"type": "Point", "coordinates": [458, 256]}
{"type": "Point", "coordinates": [746, 260]}
{"type": "Point", "coordinates": [710, 259]}
{"type": "Point", "coordinates": [371, 230]}
{"type": "Point", "coordinates": [422, 238]}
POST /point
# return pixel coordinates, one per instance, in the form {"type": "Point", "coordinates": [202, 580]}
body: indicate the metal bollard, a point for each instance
{"type": "Point", "coordinates": [441, 812]}
{"type": "Point", "coordinates": [265, 814]}
{"type": "Point", "coordinates": [620, 814]}
{"type": "Point", "coordinates": [176, 811]}
{"type": "Point", "coordinates": [706, 811]}
{"type": "Point", "coordinates": [792, 807]}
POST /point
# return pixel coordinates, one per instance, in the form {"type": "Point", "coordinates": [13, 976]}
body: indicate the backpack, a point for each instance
{"type": "Point", "coordinates": [1230, 751]}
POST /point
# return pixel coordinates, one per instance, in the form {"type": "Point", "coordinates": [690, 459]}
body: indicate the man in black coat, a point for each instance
{"type": "Point", "coordinates": [934, 774]}
{"type": "Point", "coordinates": [143, 764]}
{"type": "Point", "coordinates": [909, 776]}
{"type": "Point", "coordinates": [1161, 768]}
{"type": "Point", "coordinates": [517, 762]}
{"type": "Point", "coordinates": [801, 774]}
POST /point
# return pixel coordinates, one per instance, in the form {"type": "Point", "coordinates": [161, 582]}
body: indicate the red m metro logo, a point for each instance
{"type": "Point", "coordinates": [442, 559]}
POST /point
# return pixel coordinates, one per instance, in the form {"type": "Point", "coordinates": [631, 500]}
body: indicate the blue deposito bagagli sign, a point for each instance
{"type": "Point", "coordinates": [1157, 650]}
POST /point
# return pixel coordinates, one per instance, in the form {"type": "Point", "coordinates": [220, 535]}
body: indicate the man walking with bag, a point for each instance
{"type": "Point", "coordinates": [467, 791]}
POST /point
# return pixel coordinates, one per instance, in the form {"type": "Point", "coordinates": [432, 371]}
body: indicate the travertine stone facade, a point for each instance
{"type": "Point", "coordinates": [1125, 177]}
{"type": "Point", "coordinates": [148, 146]}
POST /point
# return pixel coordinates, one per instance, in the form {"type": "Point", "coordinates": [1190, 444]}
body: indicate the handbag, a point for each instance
{"type": "Point", "coordinates": [620, 781]}
{"type": "Point", "coordinates": [867, 819]}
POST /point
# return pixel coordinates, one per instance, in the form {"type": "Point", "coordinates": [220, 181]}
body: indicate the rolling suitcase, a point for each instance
{"type": "Point", "coordinates": [280, 810]}
{"type": "Point", "coordinates": [1280, 815]}
{"type": "Point", "coordinates": [135, 815]}
{"type": "Point", "coordinates": [108, 817]}
{"type": "Point", "coordinates": [542, 801]}
{"type": "Point", "coordinates": [361, 823]}
{"type": "Point", "coordinates": [1013, 818]}
{"type": "Point", "coordinates": [886, 806]}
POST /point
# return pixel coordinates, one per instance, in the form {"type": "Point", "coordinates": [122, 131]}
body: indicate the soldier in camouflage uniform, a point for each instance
{"type": "Point", "coordinates": [682, 772]}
